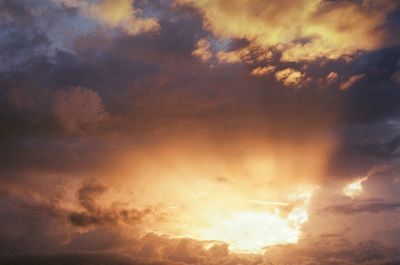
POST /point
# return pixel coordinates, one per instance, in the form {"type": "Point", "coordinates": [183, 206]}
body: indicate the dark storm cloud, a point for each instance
{"type": "Point", "coordinates": [378, 148]}
{"type": "Point", "coordinates": [28, 213]}
{"type": "Point", "coordinates": [383, 149]}
{"type": "Point", "coordinates": [364, 146]}
{"type": "Point", "coordinates": [364, 253]}
{"type": "Point", "coordinates": [127, 64]}
{"type": "Point", "coordinates": [151, 85]}
{"type": "Point", "coordinates": [19, 42]}
{"type": "Point", "coordinates": [369, 136]}
{"type": "Point", "coordinates": [145, 83]}
{"type": "Point", "coordinates": [319, 251]}
{"type": "Point", "coordinates": [42, 119]}
{"type": "Point", "coordinates": [87, 193]}
{"type": "Point", "coordinates": [94, 214]}
{"type": "Point", "coordinates": [22, 225]}
{"type": "Point", "coordinates": [366, 206]}
{"type": "Point", "coordinates": [30, 30]}
{"type": "Point", "coordinates": [80, 259]}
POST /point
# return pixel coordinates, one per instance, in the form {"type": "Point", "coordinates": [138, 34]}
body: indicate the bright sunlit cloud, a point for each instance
{"type": "Point", "coordinates": [354, 188]}
{"type": "Point", "coordinates": [252, 231]}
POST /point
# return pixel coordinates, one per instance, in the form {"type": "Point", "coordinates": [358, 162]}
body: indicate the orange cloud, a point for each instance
{"type": "Point", "coordinates": [351, 81]}
{"type": "Point", "coordinates": [116, 14]}
{"type": "Point", "coordinates": [289, 77]}
{"type": "Point", "coordinates": [332, 77]}
{"type": "Point", "coordinates": [202, 50]}
{"type": "Point", "coordinates": [302, 30]}
{"type": "Point", "coordinates": [263, 70]}
{"type": "Point", "coordinates": [77, 108]}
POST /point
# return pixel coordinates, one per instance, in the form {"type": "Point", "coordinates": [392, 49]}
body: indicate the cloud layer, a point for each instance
{"type": "Point", "coordinates": [178, 132]}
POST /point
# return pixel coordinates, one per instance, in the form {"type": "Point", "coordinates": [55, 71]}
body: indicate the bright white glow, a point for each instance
{"type": "Point", "coordinates": [252, 231]}
{"type": "Point", "coordinates": [355, 188]}
{"type": "Point", "coordinates": [268, 203]}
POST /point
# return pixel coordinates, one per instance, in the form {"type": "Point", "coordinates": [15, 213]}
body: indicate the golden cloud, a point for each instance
{"type": "Point", "coordinates": [116, 14]}
{"type": "Point", "coordinates": [302, 30]}
{"type": "Point", "coordinates": [218, 192]}
{"type": "Point", "coordinates": [290, 77]}
{"type": "Point", "coordinates": [202, 50]}
{"type": "Point", "coordinates": [263, 70]}
{"type": "Point", "coordinates": [351, 81]}
{"type": "Point", "coordinates": [331, 78]}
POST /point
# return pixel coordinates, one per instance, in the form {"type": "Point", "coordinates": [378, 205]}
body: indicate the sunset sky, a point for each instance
{"type": "Point", "coordinates": [207, 132]}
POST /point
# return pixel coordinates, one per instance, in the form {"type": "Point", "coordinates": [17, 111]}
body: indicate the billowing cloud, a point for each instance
{"type": "Point", "coordinates": [302, 31]}
{"type": "Point", "coordinates": [290, 77]}
{"type": "Point", "coordinates": [77, 108]}
{"type": "Point", "coordinates": [202, 50]}
{"type": "Point", "coordinates": [95, 214]}
{"type": "Point", "coordinates": [201, 152]}
{"type": "Point", "coordinates": [250, 54]}
{"type": "Point", "coordinates": [116, 13]}
{"type": "Point", "coordinates": [262, 70]}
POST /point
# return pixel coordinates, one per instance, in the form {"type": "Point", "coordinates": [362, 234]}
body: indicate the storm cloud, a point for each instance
{"type": "Point", "coordinates": [131, 129]}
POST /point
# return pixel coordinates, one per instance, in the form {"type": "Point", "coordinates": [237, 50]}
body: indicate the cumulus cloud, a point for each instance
{"type": "Point", "coordinates": [77, 108]}
{"type": "Point", "coordinates": [290, 77]}
{"type": "Point", "coordinates": [116, 13]}
{"type": "Point", "coordinates": [249, 54]}
{"type": "Point", "coordinates": [231, 57]}
{"type": "Point", "coordinates": [263, 70]}
{"type": "Point", "coordinates": [351, 81]}
{"type": "Point", "coordinates": [320, 29]}
{"type": "Point", "coordinates": [202, 50]}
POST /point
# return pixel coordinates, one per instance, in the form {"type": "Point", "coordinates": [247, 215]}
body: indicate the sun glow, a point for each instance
{"type": "Point", "coordinates": [249, 198]}
{"type": "Point", "coordinates": [253, 231]}
{"type": "Point", "coordinates": [250, 232]}
{"type": "Point", "coordinates": [354, 188]}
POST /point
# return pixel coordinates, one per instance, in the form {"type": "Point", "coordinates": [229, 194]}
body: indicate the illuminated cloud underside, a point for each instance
{"type": "Point", "coordinates": [253, 231]}
{"type": "Point", "coordinates": [302, 30]}
{"type": "Point", "coordinates": [115, 14]}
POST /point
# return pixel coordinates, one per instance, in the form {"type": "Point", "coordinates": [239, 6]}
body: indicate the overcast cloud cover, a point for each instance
{"type": "Point", "coordinates": [124, 122]}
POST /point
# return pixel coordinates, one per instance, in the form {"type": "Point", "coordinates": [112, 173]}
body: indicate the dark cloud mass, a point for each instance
{"type": "Point", "coordinates": [127, 127]}
{"type": "Point", "coordinates": [93, 214]}
{"type": "Point", "coordinates": [370, 206]}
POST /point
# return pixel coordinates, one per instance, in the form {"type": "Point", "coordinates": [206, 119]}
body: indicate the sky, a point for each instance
{"type": "Point", "coordinates": [178, 132]}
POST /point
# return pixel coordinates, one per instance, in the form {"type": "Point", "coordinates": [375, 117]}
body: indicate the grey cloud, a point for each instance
{"type": "Point", "coordinates": [78, 107]}
{"type": "Point", "coordinates": [108, 217]}
{"type": "Point", "coordinates": [22, 224]}
{"type": "Point", "coordinates": [317, 252]}
{"type": "Point", "coordinates": [80, 258]}
{"type": "Point", "coordinates": [382, 149]}
{"type": "Point", "coordinates": [366, 206]}
{"type": "Point", "coordinates": [396, 77]}
{"type": "Point", "coordinates": [94, 214]}
{"type": "Point", "coordinates": [87, 193]}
